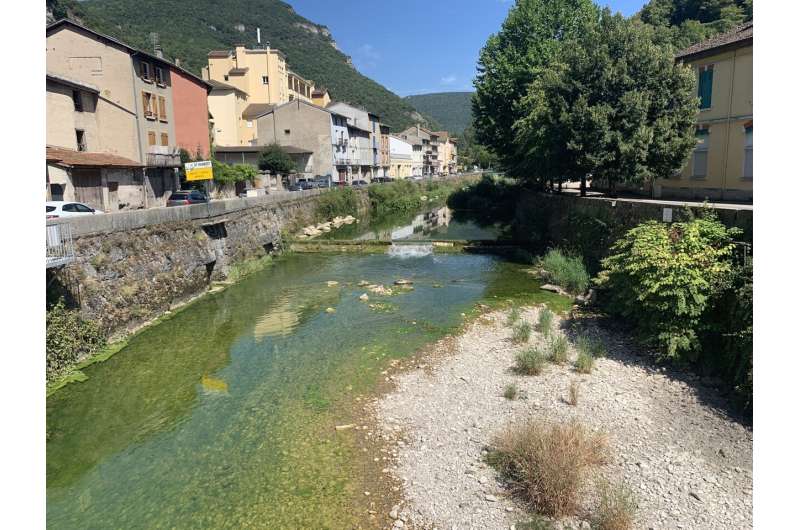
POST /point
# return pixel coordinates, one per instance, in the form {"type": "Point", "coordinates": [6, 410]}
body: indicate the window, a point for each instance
{"type": "Point", "coordinates": [69, 208]}
{"type": "Point", "coordinates": [77, 100]}
{"type": "Point", "coordinates": [159, 75]}
{"type": "Point", "coordinates": [144, 71]}
{"type": "Point", "coordinates": [164, 139]}
{"type": "Point", "coordinates": [264, 79]}
{"type": "Point", "coordinates": [225, 76]}
{"type": "Point", "coordinates": [287, 131]}
{"type": "Point", "coordinates": [80, 137]}
{"type": "Point", "coordinates": [700, 156]}
{"type": "Point", "coordinates": [704, 86]}
{"type": "Point", "coordinates": [151, 138]}
{"type": "Point", "coordinates": [748, 153]}
{"type": "Point", "coordinates": [249, 124]}
{"type": "Point", "coordinates": [162, 108]}
{"type": "Point", "coordinates": [148, 105]}
{"type": "Point", "coordinates": [82, 208]}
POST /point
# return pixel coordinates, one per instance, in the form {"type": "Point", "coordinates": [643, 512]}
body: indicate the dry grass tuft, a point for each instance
{"type": "Point", "coordinates": [547, 465]}
{"type": "Point", "coordinates": [513, 316]}
{"type": "Point", "coordinates": [584, 363]}
{"type": "Point", "coordinates": [617, 509]}
{"type": "Point", "coordinates": [574, 392]}
{"type": "Point", "coordinates": [545, 323]}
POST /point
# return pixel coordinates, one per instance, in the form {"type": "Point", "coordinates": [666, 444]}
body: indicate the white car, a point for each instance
{"type": "Point", "coordinates": [57, 209]}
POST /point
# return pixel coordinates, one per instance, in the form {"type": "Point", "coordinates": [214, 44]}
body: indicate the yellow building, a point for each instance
{"type": "Point", "coordinates": [320, 97]}
{"type": "Point", "coordinates": [721, 166]}
{"type": "Point", "coordinates": [248, 83]}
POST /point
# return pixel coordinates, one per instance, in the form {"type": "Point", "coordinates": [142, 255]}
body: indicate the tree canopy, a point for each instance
{"type": "Point", "coordinates": [685, 22]}
{"type": "Point", "coordinates": [276, 160]}
{"type": "Point", "coordinates": [529, 40]}
{"type": "Point", "coordinates": [613, 104]}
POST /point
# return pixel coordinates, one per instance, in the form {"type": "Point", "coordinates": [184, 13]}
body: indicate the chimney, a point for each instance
{"type": "Point", "coordinates": [258, 36]}
{"type": "Point", "coordinates": [418, 130]}
{"type": "Point", "coordinates": [177, 62]}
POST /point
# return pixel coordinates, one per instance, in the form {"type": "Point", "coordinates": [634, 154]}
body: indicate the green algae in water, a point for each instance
{"type": "Point", "coordinates": [223, 416]}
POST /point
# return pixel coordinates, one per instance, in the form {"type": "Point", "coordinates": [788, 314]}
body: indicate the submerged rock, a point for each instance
{"type": "Point", "coordinates": [332, 283]}
{"type": "Point", "coordinates": [364, 297]}
{"type": "Point", "coordinates": [403, 281]}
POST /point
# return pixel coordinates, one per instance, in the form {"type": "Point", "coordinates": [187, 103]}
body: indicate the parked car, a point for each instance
{"type": "Point", "coordinates": [186, 197]}
{"type": "Point", "coordinates": [360, 184]}
{"type": "Point", "coordinates": [416, 177]}
{"type": "Point", "coordinates": [57, 209]}
{"type": "Point", "coordinates": [321, 181]}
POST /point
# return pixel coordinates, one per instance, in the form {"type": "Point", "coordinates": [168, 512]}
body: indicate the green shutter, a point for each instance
{"type": "Point", "coordinates": [704, 90]}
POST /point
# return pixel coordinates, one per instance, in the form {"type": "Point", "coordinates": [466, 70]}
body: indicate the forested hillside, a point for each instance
{"type": "Point", "coordinates": [685, 22]}
{"type": "Point", "coordinates": [189, 29]}
{"type": "Point", "coordinates": [453, 110]}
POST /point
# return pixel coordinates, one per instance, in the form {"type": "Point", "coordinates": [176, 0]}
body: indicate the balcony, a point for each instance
{"type": "Point", "coordinates": [60, 250]}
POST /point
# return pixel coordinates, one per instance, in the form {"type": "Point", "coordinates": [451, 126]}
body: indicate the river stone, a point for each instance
{"type": "Point", "coordinates": [364, 297]}
{"type": "Point", "coordinates": [402, 281]}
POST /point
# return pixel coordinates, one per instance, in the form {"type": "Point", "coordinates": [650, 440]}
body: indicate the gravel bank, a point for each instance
{"type": "Point", "coordinates": [688, 464]}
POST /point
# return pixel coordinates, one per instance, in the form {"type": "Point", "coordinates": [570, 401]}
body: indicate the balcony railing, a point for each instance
{"type": "Point", "coordinates": [60, 250]}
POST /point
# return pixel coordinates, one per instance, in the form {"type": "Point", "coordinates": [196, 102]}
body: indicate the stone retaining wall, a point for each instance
{"type": "Point", "coordinates": [133, 266]}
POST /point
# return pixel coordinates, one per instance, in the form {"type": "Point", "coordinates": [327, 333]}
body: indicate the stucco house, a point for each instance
{"type": "Point", "coordinates": [721, 166]}
{"type": "Point", "coordinates": [134, 111]}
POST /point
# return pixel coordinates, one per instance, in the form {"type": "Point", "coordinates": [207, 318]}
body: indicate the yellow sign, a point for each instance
{"type": "Point", "coordinates": [199, 170]}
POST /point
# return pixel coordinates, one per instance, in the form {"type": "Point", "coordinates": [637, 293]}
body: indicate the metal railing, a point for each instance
{"type": "Point", "coordinates": [60, 250]}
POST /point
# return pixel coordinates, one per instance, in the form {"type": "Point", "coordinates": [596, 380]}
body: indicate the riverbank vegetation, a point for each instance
{"type": "Point", "coordinates": [68, 339]}
{"type": "Point", "coordinates": [565, 271]}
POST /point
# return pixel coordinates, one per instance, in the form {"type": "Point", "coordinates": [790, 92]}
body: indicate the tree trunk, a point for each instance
{"type": "Point", "coordinates": [583, 185]}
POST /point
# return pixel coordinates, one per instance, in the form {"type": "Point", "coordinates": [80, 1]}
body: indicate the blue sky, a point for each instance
{"type": "Point", "coordinates": [417, 46]}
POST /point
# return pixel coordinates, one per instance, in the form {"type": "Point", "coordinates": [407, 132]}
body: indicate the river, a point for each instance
{"type": "Point", "coordinates": [224, 415]}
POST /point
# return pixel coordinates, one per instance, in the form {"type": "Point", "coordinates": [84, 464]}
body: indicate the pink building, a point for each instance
{"type": "Point", "coordinates": [190, 107]}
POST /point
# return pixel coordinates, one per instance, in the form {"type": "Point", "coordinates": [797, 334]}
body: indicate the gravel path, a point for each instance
{"type": "Point", "coordinates": [688, 464]}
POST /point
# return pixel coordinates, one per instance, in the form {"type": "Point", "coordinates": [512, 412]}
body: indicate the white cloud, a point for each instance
{"type": "Point", "coordinates": [366, 57]}
{"type": "Point", "coordinates": [448, 79]}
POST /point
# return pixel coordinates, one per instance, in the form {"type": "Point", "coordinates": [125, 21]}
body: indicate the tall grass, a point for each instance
{"type": "Point", "coordinates": [521, 332]}
{"type": "Point", "coordinates": [617, 508]}
{"type": "Point", "coordinates": [530, 362]}
{"type": "Point", "coordinates": [544, 325]}
{"type": "Point", "coordinates": [511, 392]}
{"type": "Point", "coordinates": [339, 201]}
{"type": "Point", "coordinates": [565, 271]}
{"type": "Point", "coordinates": [547, 465]}
{"type": "Point", "coordinates": [513, 316]}
{"type": "Point", "coordinates": [557, 349]}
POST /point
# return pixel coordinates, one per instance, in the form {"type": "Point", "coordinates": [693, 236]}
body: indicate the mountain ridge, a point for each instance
{"type": "Point", "coordinates": [453, 110]}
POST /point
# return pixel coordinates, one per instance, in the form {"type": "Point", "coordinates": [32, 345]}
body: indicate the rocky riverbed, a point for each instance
{"type": "Point", "coordinates": [688, 464]}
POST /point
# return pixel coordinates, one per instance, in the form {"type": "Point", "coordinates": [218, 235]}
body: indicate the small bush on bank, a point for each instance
{"type": "Point", "coordinates": [521, 332]}
{"type": "Point", "coordinates": [511, 392]}
{"type": "Point", "coordinates": [584, 363]}
{"type": "Point", "coordinates": [547, 465]}
{"type": "Point", "coordinates": [530, 362]}
{"type": "Point", "coordinates": [565, 271]}
{"type": "Point", "coordinates": [544, 324]}
{"type": "Point", "coordinates": [558, 350]}
{"type": "Point", "coordinates": [513, 316]}
{"type": "Point", "coordinates": [68, 339]}
{"type": "Point", "coordinates": [617, 508]}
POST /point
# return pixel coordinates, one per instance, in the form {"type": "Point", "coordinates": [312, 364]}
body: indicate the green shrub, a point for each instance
{"type": "Point", "coordinates": [530, 362]}
{"type": "Point", "coordinates": [68, 339]}
{"type": "Point", "coordinates": [660, 277]}
{"type": "Point", "coordinates": [558, 349]}
{"type": "Point", "coordinates": [521, 332]}
{"type": "Point", "coordinates": [276, 160]}
{"type": "Point", "coordinates": [544, 324]}
{"type": "Point", "coordinates": [513, 316]}
{"type": "Point", "coordinates": [565, 271]}
{"type": "Point", "coordinates": [584, 363]}
{"type": "Point", "coordinates": [511, 392]}
{"type": "Point", "coordinates": [336, 202]}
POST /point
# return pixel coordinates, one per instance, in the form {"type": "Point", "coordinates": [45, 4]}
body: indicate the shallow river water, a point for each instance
{"type": "Point", "coordinates": [223, 416]}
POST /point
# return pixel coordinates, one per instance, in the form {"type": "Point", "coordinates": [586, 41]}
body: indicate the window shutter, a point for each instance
{"type": "Point", "coordinates": [145, 103]}
{"type": "Point", "coordinates": [705, 88]}
{"type": "Point", "coordinates": [151, 138]}
{"type": "Point", "coordinates": [164, 139]}
{"type": "Point", "coordinates": [162, 108]}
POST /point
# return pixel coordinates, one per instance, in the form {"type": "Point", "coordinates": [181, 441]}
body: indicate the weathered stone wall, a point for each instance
{"type": "Point", "coordinates": [133, 266]}
{"type": "Point", "coordinates": [590, 225]}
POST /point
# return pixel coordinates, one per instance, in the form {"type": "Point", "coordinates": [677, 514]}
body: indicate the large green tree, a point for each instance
{"type": "Point", "coordinates": [614, 105]}
{"type": "Point", "coordinates": [685, 22]}
{"type": "Point", "coordinates": [276, 160]}
{"type": "Point", "coordinates": [529, 39]}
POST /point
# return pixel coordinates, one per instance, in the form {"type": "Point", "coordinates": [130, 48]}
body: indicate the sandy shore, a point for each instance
{"type": "Point", "coordinates": [688, 464]}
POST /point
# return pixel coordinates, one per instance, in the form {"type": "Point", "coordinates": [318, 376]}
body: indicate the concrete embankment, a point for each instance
{"type": "Point", "coordinates": [131, 267]}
